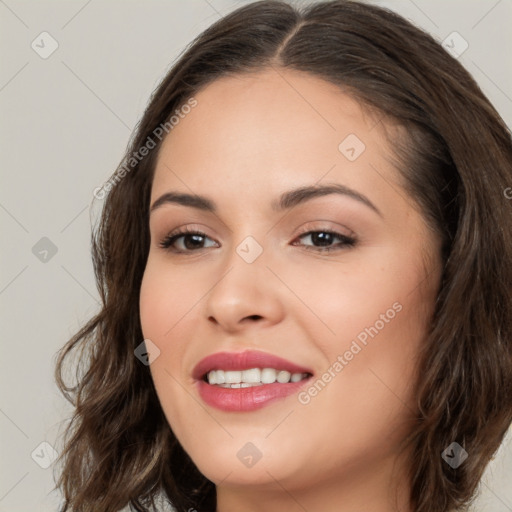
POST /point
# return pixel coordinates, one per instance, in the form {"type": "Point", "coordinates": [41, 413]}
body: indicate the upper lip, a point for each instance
{"type": "Point", "coordinates": [244, 361]}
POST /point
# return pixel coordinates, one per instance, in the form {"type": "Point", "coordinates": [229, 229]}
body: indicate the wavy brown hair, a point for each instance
{"type": "Point", "coordinates": [456, 163]}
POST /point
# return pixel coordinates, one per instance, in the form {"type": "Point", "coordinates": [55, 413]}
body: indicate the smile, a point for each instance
{"type": "Point", "coordinates": [246, 381]}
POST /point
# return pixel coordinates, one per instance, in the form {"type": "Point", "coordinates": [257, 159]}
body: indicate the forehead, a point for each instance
{"type": "Point", "coordinates": [279, 126]}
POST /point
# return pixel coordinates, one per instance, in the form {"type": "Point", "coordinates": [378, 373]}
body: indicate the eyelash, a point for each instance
{"type": "Point", "coordinates": [346, 241]}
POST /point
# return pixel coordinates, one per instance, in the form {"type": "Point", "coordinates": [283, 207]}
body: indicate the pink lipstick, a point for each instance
{"type": "Point", "coordinates": [246, 381]}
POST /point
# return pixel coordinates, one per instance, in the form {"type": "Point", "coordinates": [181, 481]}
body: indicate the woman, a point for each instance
{"type": "Point", "coordinates": [305, 267]}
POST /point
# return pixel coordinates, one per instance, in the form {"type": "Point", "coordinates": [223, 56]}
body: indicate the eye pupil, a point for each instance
{"type": "Point", "coordinates": [198, 240]}
{"type": "Point", "coordinates": [322, 238]}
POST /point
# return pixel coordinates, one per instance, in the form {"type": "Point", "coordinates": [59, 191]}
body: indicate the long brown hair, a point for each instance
{"type": "Point", "coordinates": [456, 163]}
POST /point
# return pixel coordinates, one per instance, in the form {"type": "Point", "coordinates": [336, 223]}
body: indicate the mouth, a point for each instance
{"type": "Point", "coordinates": [246, 381]}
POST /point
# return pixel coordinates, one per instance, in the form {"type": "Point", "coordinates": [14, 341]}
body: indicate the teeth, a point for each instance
{"type": "Point", "coordinates": [296, 377]}
{"type": "Point", "coordinates": [239, 385]}
{"type": "Point", "coordinates": [233, 377]}
{"type": "Point", "coordinates": [283, 377]}
{"type": "Point", "coordinates": [268, 375]}
{"type": "Point", "coordinates": [252, 377]}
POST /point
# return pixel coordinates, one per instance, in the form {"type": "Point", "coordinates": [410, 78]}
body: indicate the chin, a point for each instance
{"type": "Point", "coordinates": [242, 462]}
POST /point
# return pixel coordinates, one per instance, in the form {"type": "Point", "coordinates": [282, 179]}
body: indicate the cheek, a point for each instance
{"type": "Point", "coordinates": [167, 301]}
{"type": "Point", "coordinates": [167, 295]}
{"type": "Point", "coordinates": [375, 317]}
{"type": "Point", "coordinates": [157, 307]}
{"type": "Point", "coordinates": [372, 293]}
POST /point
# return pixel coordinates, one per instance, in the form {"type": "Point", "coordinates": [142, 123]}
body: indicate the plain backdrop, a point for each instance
{"type": "Point", "coordinates": [65, 121]}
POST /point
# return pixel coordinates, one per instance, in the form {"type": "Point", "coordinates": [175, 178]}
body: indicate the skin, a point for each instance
{"type": "Point", "coordinates": [249, 139]}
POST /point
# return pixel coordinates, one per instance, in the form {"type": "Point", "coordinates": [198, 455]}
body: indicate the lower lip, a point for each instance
{"type": "Point", "coordinates": [246, 399]}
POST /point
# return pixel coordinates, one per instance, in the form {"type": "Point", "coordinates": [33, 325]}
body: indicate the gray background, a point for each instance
{"type": "Point", "coordinates": [65, 122]}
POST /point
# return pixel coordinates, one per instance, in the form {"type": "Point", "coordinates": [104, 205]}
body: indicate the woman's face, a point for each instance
{"type": "Point", "coordinates": [337, 283]}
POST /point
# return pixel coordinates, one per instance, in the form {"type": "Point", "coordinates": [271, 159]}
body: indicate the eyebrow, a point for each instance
{"type": "Point", "coordinates": [286, 201]}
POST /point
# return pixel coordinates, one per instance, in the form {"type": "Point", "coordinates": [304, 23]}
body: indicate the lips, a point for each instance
{"type": "Point", "coordinates": [244, 361]}
{"type": "Point", "coordinates": [248, 398]}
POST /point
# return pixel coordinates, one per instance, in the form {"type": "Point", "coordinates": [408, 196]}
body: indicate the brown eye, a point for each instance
{"type": "Point", "coordinates": [186, 241]}
{"type": "Point", "coordinates": [326, 240]}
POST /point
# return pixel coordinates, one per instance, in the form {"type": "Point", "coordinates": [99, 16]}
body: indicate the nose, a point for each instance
{"type": "Point", "coordinates": [245, 297]}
